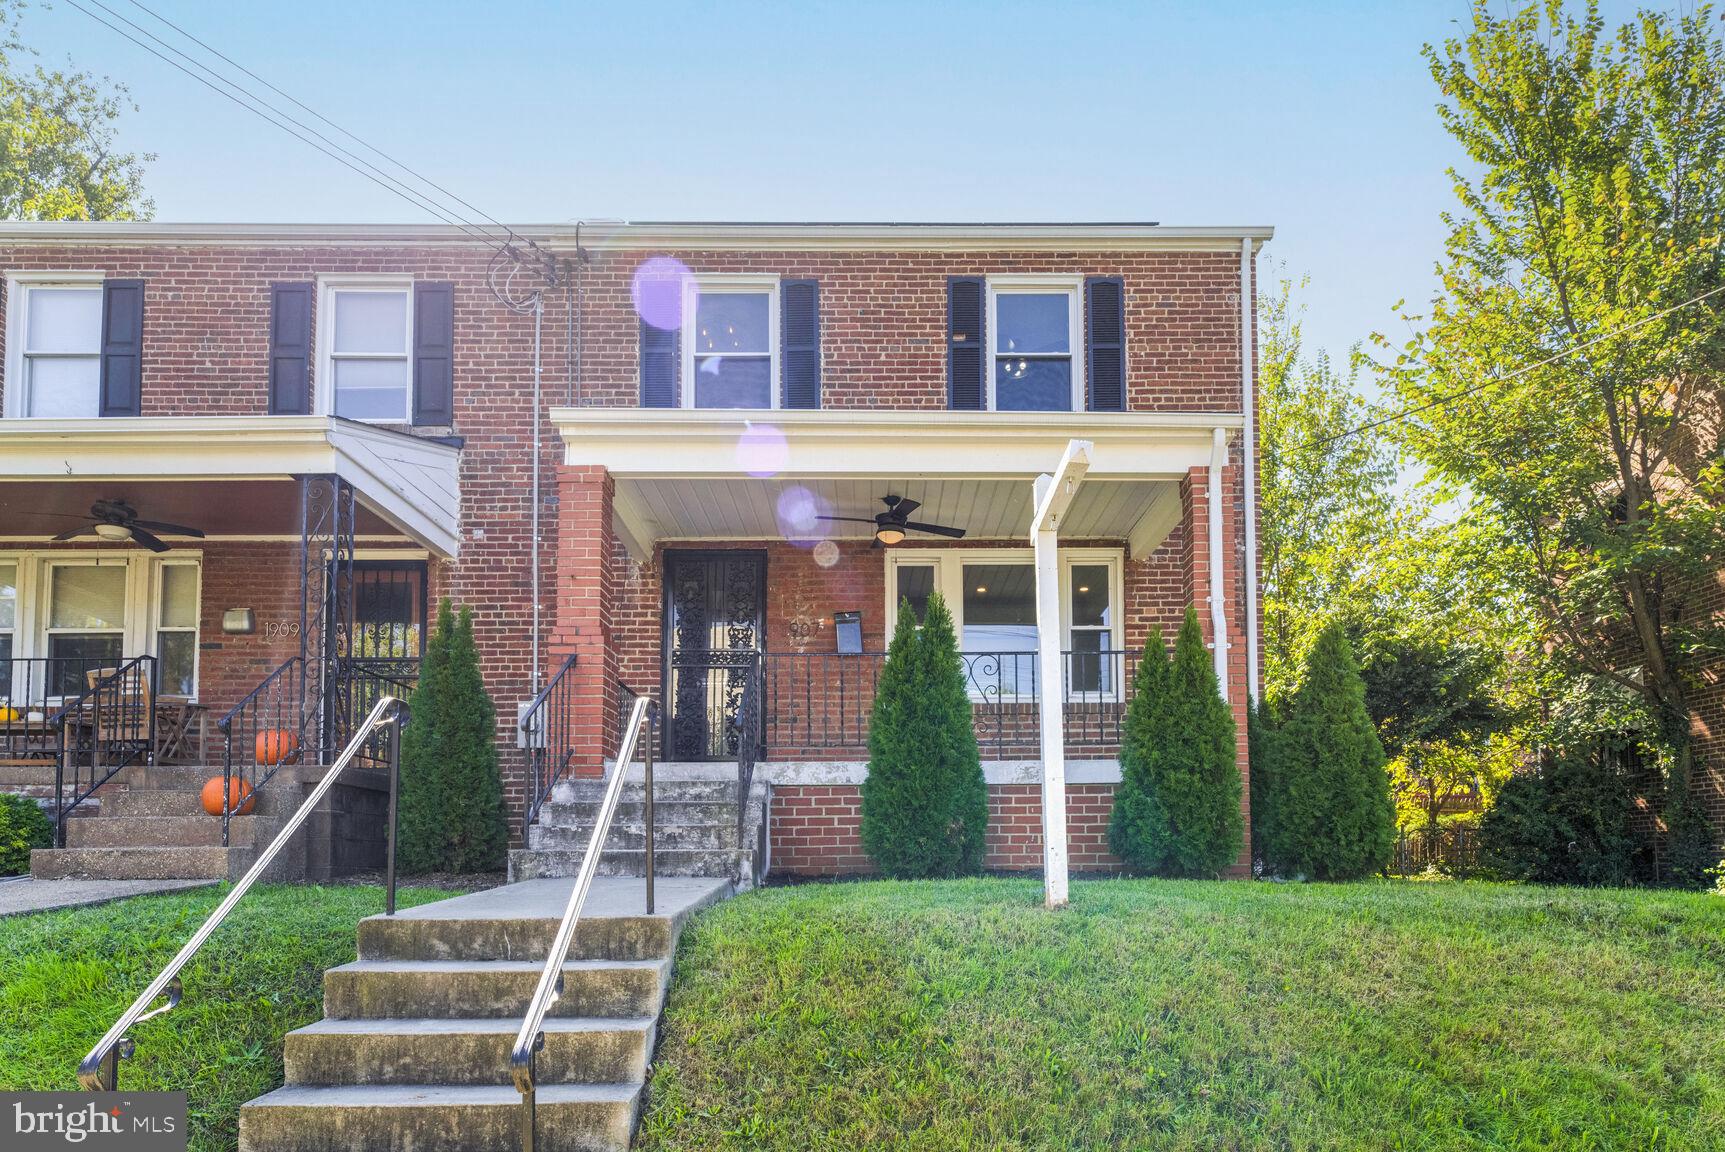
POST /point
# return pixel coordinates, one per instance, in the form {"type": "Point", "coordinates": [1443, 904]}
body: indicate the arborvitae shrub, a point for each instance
{"type": "Point", "coordinates": [924, 802]}
{"type": "Point", "coordinates": [1177, 810]}
{"type": "Point", "coordinates": [23, 826]}
{"type": "Point", "coordinates": [1261, 752]}
{"type": "Point", "coordinates": [451, 803]}
{"type": "Point", "coordinates": [1329, 815]}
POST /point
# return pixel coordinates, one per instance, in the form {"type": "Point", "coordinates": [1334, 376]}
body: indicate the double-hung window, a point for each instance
{"type": "Point", "coordinates": [176, 628]}
{"type": "Point", "coordinates": [87, 619]}
{"type": "Point", "coordinates": [8, 625]}
{"type": "Point", "coordinates": [731, 342]}
{"type": "Point", "coordinates": [366, 330]}
{"type": "Point", "coordinates": [56, 327]}
{"type": "Point", "coordinates": [1035, 329]}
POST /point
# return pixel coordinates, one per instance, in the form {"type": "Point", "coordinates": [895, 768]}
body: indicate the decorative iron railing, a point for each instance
{"type": "Point", "coordinates": [361, 682]}
{"type": "Point", "coordinates": [821, 701]}
{"type": "Point", "coordinates": [99, 1071]}
{"type": "Point", "coordinates": [548, 731]}
{"type": "Point", "coordinates": [268, 729]}
{"type": "Point", "coordinates": [32, 690]}
{"type": "Point", "coordinates": [750, 733]}
{"type": "Point", "coordinates": [110, 725]}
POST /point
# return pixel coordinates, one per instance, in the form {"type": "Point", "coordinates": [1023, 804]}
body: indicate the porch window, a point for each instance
{"type": "Point", "coordinates": [369, 369]}
{"type": "Point", "coordinates": [8, 625]}
{"type": "Point", "coordinates": [1035, 323]}
{"type": "Point", "coordinates": [1090, 668]}
{"type": "Point", "coordinates": [86, 622]}
{"type": "Point", "coordinates": [999, 628]}
{"type": "Point", "coordinates": [731, 343]}
{"type": "Point", "coordinates": [177, 630]}
{"type": "Point", "coordinates": [60, 363]}
{"type": "Point", "coordinates": [915, 584]}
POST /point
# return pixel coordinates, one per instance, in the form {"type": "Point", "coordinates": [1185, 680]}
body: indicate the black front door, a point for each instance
{"type": "Point", "coordinates": [715, 606]}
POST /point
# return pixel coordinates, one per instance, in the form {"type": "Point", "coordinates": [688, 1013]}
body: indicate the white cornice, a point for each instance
{"type": "Point", "coordinates": [621, 236]}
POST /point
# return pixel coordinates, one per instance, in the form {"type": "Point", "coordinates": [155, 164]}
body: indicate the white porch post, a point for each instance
{"type": "Point", "coordinates": [1053, 495]}
{"type": "Point", "coordinates": [1218, 574]}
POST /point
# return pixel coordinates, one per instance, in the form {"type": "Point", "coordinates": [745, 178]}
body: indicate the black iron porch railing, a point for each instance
{"type": "Point", "coordinates": [821, 701]}
{"type": "Point", "coordinates": [108, 726]}
{"type": "Point", "coordinates": [361, 681]}
{"type": "Point", "coordinates": [267, 730]}
{"type": "Point", "coordinates": [549, 732]}
{"type": "Point", "coordinates": [750, 734]}
{"type": "Point", "coordinates": [32, 690]}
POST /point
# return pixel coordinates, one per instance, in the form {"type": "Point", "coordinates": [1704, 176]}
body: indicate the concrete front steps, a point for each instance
{"type": "Point", "coordinates": [695, 830]}
{"type": "Point", "coordinates": [413, 1052]}
{"type": "Point", "coordinates": [151, 825]}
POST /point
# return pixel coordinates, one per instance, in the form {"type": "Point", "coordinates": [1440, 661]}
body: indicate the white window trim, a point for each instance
{"type": "Point", "coordinates": [156, 581]}
{"type": "Point", "coordinates": [737, 282]}
{"type": "Point", "coordinates": [1016, 283]}
{"type": "Point", "coordinates": [323, 378]}
{"type": "Point", "coordinates": [949, 564]}
{"type": "Point", "coordinates": [143, 607]}
{"type": "Point", "coordinates": [18, 286]}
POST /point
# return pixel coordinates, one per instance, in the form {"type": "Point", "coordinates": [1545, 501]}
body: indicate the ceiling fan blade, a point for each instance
{"type": "Point", "coordinates": [55, 515]}
{"type": "Point", "coordinates": [905, 507]}
{"type": "Point", "coordinates": [73, 533]}
{"type": "Point", "coordinates": [847, 519]}
{"type": "Point", "coordinates": [140, 536]}
{"type": "Point", "coordinates": [937, 529]}
{"type": "Point", "coordinates": [169, 529]}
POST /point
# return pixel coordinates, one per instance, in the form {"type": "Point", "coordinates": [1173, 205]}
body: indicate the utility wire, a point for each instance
{"type": "Point", "coordinates": [1438, 402]}
{"type": "Point", "coordinates": [421, 177]}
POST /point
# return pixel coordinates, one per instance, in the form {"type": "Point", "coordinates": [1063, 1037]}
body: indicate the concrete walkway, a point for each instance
{"type": "Point", "coordinates": [26, 894]}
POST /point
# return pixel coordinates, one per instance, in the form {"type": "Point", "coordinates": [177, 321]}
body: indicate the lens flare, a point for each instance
{"type": "Point", "coordinates": [799, 513]}
{"type": "Point", "coordinates": [826, 553]}
{"type": "Point", "coordinates": [762, 451]}
{"type": "Point", "coordinates": [657, 290]}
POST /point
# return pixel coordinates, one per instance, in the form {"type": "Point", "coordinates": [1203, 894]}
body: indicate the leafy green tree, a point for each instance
{"type": "Point", "coordinates": [451, 804]}
{"type": "Point", "coordinates": [1564, 385]}
{"type": "Point", "coordinates": [58, 155]}
{"type": "Point", "coordinates": [1566, 823]}
{"type": "Point", "coordinates": [1178, 807]}
{"type": "Point", "coordinates": [924, 801]}
{"type": "Point", "coordinates": [1330, 811]}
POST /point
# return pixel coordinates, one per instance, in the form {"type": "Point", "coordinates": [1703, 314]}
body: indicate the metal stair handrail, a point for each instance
{"type": "Point", "coordinates": [531, 1037]}
{"type": "Point", "coordinates": [99, 1071]}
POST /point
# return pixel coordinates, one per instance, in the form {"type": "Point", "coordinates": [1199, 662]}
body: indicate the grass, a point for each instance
{"type": "Point", "coordinates": [65, 976]}
{"type": "Point", "coordinates": [1191, 1015]}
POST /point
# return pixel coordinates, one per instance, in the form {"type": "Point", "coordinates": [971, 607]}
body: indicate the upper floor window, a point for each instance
{"type": "Point", "coordinates": [730, 342]}
{"type": "Point", "coordinates": [367, 337]}
{"type": "Point", "coordinates": [56, 329]}
{"type": "Point", "coordinates": [1036, 326]}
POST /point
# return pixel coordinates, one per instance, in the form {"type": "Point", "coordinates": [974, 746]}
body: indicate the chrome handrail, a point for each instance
{"type": "Point", "coordinates": [531, 1037]}
{"type": "Point", "coordinates": [99, 1071]}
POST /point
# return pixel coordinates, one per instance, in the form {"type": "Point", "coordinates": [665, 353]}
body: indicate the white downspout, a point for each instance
{"type": "Point", "coordinates": [1248, 310]}
{"type": "Point", "coordinates": [1218, 574]}
{"type": "Point", "coordinates": [1053, 495]}
{"type": "Point", "coordinates": [533, 531]}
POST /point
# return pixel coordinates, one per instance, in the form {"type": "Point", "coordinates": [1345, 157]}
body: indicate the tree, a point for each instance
{"type": "Point", "coordinates": [1331, 817]}
{"type": "Point", "coordinates": [924, 801]}
{"type": "Point", "coordinates": [1565, 383]}
{"type": "Point", "coordinates": [1566, 823]}
{"type": "Point", "coordinates": [58, 156]}
{"type": "Point", "coordinates": [451, 802]}
{"type": "Point", "coordinates": [1177, 811]}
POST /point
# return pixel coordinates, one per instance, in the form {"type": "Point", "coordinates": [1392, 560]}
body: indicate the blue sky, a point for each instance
{"type": "Point", "coordinates": [1314, 117]}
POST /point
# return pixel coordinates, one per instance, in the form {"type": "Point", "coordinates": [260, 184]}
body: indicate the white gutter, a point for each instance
{"type": "Point", "coordinates": [1249, 448]}
{"type": "Point", "coordinates": [1053, 496]}
{"type": "Point", "coordinates": [1218, 574]}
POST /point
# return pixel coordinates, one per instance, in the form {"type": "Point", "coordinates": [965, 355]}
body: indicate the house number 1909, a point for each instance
{"type": "Point", "coordinates": [277, 629]}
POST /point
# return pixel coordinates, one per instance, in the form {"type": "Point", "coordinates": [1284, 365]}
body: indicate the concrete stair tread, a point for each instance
{"type": "Point", "coordinates": [159, 862]}
{"type": "Point", "coordinates": [423, 1095]}
{"type": "Point", "coordinates": [465, 1026]}
{"type": "Point", "coordinates": [495, 966]}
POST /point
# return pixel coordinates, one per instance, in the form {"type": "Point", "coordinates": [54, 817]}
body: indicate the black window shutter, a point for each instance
{"type": "Point", "coordinates": [966, 355]}
{"type": "Point", "coordinates": [290, 349]}
{"type": "Point", "coordinates": [1105, 342]}
{"type": "Point", "coordinates": [434, 353]}
{"type": "Point", "coordinates": [800, 333]}
{"type": "Point", "coordinates": [122, 347]}
{"type": "Point", "coordinates": [658, 367]}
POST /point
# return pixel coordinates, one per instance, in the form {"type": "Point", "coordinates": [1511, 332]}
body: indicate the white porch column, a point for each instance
{"type": "Point", "coordinates": [1218, 573]}
{"type": "Point", "coordinates": [1053, 495]}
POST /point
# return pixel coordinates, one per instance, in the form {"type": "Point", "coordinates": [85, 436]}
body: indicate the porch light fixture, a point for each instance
{"type": "Point", "coordinates": [113, 532]}
{"type": "Point", "coordinates": [889, 534]}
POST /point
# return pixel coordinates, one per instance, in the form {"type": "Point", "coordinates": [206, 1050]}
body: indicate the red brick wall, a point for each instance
{"type": "Point", "coordinates": [817, 829]}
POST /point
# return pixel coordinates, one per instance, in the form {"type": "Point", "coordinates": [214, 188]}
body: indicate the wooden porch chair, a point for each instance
{"type": "Point", "coordinates": [120, 715]}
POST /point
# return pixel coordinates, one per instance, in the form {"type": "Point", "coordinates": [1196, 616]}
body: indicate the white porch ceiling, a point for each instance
{"type": "Point", "coordinates": [659, 508]}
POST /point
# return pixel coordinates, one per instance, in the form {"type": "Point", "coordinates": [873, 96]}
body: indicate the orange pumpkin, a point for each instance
{"type": "Point", "coordinates": [240, 798]}
{"type": "Point", "coordinates": [277, 745]}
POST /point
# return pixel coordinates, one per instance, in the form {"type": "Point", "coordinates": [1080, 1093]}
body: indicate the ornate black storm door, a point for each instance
{"type": "Point", "coordinates": [714, 632]}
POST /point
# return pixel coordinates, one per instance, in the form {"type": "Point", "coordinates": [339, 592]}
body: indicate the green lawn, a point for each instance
{"type": "Point", "coordinates": [1224, 1015]}
{"type": "Point", "coordinates": [65, 976]}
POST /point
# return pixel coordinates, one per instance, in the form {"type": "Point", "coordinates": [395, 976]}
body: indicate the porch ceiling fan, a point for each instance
{"type": "Point", "coordinates": [890, 526]}
{"type": "Point", "coordinates": [117, 520]}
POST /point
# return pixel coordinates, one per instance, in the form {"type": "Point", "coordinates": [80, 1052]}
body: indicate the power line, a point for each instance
{"type": "Point", "coordinates": [1438, 402]}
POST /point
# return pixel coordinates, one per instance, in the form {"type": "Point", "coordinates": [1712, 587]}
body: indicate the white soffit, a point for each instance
{"type": "Point", "coordinates": [409, 481]}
